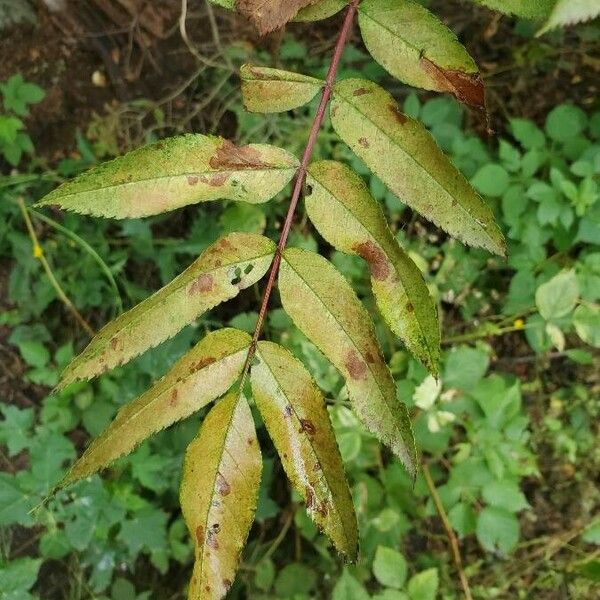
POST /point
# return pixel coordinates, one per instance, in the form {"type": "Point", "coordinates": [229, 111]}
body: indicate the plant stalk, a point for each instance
{"type": "Point", "coordinates": [301, 177]}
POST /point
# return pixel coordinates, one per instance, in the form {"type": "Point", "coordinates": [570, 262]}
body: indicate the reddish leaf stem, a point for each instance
{"type": "Point", "coordinates": [301, 177]}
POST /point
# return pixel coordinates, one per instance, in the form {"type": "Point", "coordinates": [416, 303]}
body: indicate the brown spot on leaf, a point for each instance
{"type": "Point", "coordinates": [334, 111]}
{"type": "Point", "coordinates": [217, 180]}
{"type": "Point", "coordinates": [409, 307]}
{"type": "Point", "coordinates": [398, 114]}
{"type": "Point", "coordinates": [204, 362]}
{"type": "Point", "coordinates": [227, 584]}
{"type": "Point", "coordinates": [466, 87]}
{"type": "Point", "coordinates": [356, 367]}
{"type": "Point", "coordinates": [231, 157]}
{"type": "Point", "coordinates": [369, 358]}
{"type": "Point", "coordinates": [211, 539]}
{"type": "Point", "coordinates": [378, 263]}
{"type": "Point", "coordinates": [364, 142]}
{"type": "Point", "coordinates": [223, 487]}
{"type": "Point", "coordinates": [250, 442]}
{"type": "Point", "coordinates": [310, 498]}
{"type": "Point", "coordinates": [173, 400]}
{"type": "Point", "coordinates": [288, 410]}
{"type": "Point", "coordinates": [114, 343]}
{"type": "Point", "coordinates": [199, 534]}
{"type": "Point", "coordinates": [361, 91]}
{"type": "Point", "coordinates": [272, 15]}
{"type": "Point", "coordinates": [203, 284]}
{"type": "Point", "coordinates": [192, 179]}
{"type": "Point", "coordinates": [307, 426]}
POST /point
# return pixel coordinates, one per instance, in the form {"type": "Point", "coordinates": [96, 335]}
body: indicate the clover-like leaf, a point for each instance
{"type": "Point", "coordinates": [177, 172]}
{"type": "Point", "coordinates": [267, 90]}
{"type": "Point", "coordinates": [204, 374]}
{"type": "Point", "coordinates": [528, 9]}
{"type": "Point", "coordinates": [294, 412]}
{"type": "Point", "coordinates": [416, 47]}
{"type": "Point", "coordinates": [407, 159]}
{"type": "Point", "coordinates": [230, 265]}
{"type": "Point", "coordinates": [348, 217]}
{"type": "Point", "coordinates": [325, 308]}
{"type": "Point", "coordinates": [219, 493]}
{"type": "Point", "coordinates": [570, 12]}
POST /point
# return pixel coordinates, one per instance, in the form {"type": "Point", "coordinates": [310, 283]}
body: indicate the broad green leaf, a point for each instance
{"type": "Point", "coordinates": [267, 90]}
{"type": "Point", "coordinates": [389, 567]}
{"type": "Point", "coordinates": [348, 217]}
{"type": "Point", "coordinates": [557, 298]}
{"type": "Point", "coordinates": [587, 324]}
{"type": "Point", "coordinates": [424, 585]}
{"type": "Point", "coordinates": [219, 492]}
{"type": "Point", "coordinates": [416, 47]}
{"type": "Point", "coordinates": [528, 9]}
{"type": "Point", "coordinates": [402, 153]}
{"type": "Point", "coordinates": [325, 308]}
{"type": "Point", "coordinates": [230, 265]}
{"type": "Point", "coordinates": [176, 172]}
{"type": "Point", "coordinates": [570, 12]}
{"type": "Point", "coordinates": [201, 376]}
{"type": "Point", "coordinates": [497, 529]}
{"type": "Point", "coordinates": [294, 412]}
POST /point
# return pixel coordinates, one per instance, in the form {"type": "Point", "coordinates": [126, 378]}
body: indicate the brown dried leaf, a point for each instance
{"type": "Point", "coordinates": [269, 15]}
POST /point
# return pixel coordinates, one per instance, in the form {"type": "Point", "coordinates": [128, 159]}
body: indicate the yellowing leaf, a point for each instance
{"type": "Point", "coordinates": [347, 216]}
{"type": "Point", "coordinates": [201, 376]}
{"type": "Point", "coordinates": [528, 9]}
{"type": "Point", "coordinates": [176, 172]}
{"type": "Point", "coordinates": [320, 10]}
{"type": "Point", "coordinates": [267, 90]}
{"type": "Point", "coordinates": [416, 47]}
{"type": "Point", "coordinates": [294, 412]}
{"type": "Point", "coordinates": [570, 12]}
{"type": "Point", "coordinates": [219, 492]}
{"type": "Point", "coordinates": [407, 159]}
{"type": "Point", "coordinates": [325, 308]}
{"type": "Point", "coordinates": [269, 15]}
{"type": "Point", "coordinates": [231, 264]}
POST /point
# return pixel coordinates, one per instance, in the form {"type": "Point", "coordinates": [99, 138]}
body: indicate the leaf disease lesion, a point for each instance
{"type": "Point", "coordinates": [222, 466]}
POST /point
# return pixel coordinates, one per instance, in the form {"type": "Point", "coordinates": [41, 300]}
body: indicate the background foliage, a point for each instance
{"type": "Point", "coordinates": [509, 434]}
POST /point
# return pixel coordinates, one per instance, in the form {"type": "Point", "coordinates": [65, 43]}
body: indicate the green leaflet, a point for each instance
{"type": "Point", "coordinates": [267, 90]}
{"type": "Point", "coordinates": [416, 47]}
{"type": "Point", "coordinates": [407, 159]}
{"type": "Point", "coordinates": [201, 376]}
{"type": "Point", "coordinates": [219, 492]}
{"type": "Point", "coordinates": [176, 172]}
{"type": "Point", "coordinates": [570, 12]}
{"type": "Point", "coordinates": [325, 308]}
{"type": "Point", "coordinates": [320, 10]}
{"type": "Point", "coordinates": [230, 265]}
{"type": "Point", "coordinates": [529, 9]}
{"type": "Point", "coordinates": [348, 217]}
{"type": "Point", "coordinates": [294, 412]}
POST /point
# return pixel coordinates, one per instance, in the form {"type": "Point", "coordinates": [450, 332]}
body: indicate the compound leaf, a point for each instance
{"type": "Point", "coordinates": [176, 172]}
{"type": "Point", "coordinates": [325, 308]}
{"type": "Point", "coordinates": [570, 12]}
{"type": "Point", "coordinates": [201, 376]}
{"type": "Point", "coordinates": [294, 412]}
{"type": "Point", "coordinates": [219, 492]}
{"type": "Point", "coordinates": [347, 216]}
{"type": "Point", "coordinates": [416, 47]}
{"type": "Point", "coordinates": [407, 159]}
{"type": "Point", "coordinates": [230, 265]}
{"type": "Point", "coordinates": [528, 9]}
{"type": "Point", "coordinates": [267, 90]}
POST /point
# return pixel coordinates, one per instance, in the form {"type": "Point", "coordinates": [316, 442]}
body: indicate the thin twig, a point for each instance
{"type": "Point", "coordinates": [38, 252]}
{"type": "Point", "coordinates": [301, 177]}
{"type": "Point", "coordinates": [449, 531]}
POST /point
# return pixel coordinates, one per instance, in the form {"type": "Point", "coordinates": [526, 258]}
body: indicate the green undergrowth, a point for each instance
{"type": "Point", "coordinates": [510, 423]}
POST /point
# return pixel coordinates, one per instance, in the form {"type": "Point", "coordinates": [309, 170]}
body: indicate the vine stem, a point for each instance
{"type": "Point", "coordinates": [38, 252]}
{"type": "Point", "coordinates": [301, 178]}
{"type": "Point", "coordinates": [449, 531]}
